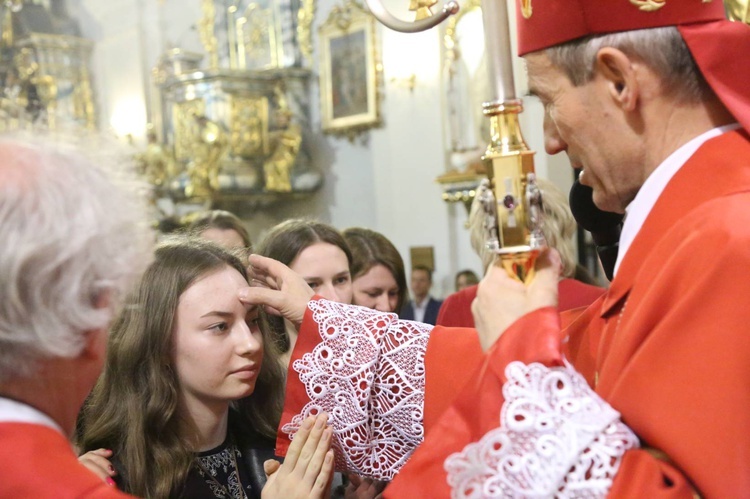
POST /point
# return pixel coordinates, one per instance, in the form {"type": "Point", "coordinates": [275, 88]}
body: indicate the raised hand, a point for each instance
{"type": "Point", "coordinates": [277, 288]}
{"type": "Point", "coordinates": [501, 300]}
{"type": "Point", "coordinates": [308, 466]}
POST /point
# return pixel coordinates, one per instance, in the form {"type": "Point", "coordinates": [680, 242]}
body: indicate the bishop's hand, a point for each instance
{"type": "Point", "coordinates": [501, 300]}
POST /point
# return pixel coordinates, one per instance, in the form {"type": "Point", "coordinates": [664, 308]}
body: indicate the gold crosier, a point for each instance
{"type": "Point", "coordinates": [514, 208]}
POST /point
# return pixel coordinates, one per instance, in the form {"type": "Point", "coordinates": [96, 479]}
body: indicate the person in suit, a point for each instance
{"type": "Point", "coordinates": [423, 307]}
{"type": "Point", "coordinates": [74, 237]}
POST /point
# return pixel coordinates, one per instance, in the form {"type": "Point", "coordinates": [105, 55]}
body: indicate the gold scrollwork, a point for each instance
{"type": "Point", "coordinates": [182, 115]}
{"type": "Point", "coordinates": [207, 34]}
{"type": "Point", "coordinates": [738, 10]}
{"type": "Point", "coordinates": [526, 9]}
{"type": "Point", "coordinates": [305, 17]}
{"type": "Point", "coordinates": [249, 126]}
{"type": "Point", "coordinates": [649, 5]}
{"type": "Point", "coordinates": [422, 8]}
{"type": "Point", "coordinates": [277, 169]}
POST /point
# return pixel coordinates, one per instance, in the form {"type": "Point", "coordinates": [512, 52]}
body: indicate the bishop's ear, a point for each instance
{"type": "Point", "coordinates": [619, 74]}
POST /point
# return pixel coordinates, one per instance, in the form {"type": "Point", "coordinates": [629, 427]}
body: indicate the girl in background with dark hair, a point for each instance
{"type": "Point", "coordinates": [220, 226]}
{"type": "Point", "coordinates": [188, 402]}
{"type": "Point", "coordinates": [318, 253]}
{"type": "Point", "coordinates": [378, 277]}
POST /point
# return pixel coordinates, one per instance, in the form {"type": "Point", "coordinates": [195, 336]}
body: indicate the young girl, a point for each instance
{"type": "Point", "coordinates": [378, 278]}
{"type": "Point", "coordinates": [317, 252]}
{"type": "Point", "coordinates": [188, 401]}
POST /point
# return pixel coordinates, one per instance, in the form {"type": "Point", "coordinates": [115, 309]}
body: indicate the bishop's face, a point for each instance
{"type": "Point", "coordinates": [587, 124]}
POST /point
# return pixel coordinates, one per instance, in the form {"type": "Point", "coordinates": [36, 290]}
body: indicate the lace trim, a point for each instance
{"type": "Point", "coordinates": [557, 438]}
{"type": "Point", "coordinates": [368, 374]}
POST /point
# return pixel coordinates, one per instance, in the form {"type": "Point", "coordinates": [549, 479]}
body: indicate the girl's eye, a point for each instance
{"type": "Point", "coordinates": [373, 294]}
{"type": "Point", "coordinates": [342, 280]}
{"type": "Point", "coordinates": [313, 284]}
{"type": "Point", "coordinates": [219, 327]}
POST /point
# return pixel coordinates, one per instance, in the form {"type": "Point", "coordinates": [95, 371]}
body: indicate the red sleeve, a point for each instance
{"type": "Point", "coordinates": [535, 337]}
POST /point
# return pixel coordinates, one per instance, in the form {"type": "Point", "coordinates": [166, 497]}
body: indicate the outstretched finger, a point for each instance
{"type": "Point", "coordinates": [309, 450]}
{"type": "Point", "coordinates": [298, 442]}
{"type": "Point", "coordinates": [323, 480]}
{"type": "Point", "coordinates": [315, 464]}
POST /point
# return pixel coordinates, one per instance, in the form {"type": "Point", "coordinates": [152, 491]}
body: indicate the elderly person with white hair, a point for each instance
{"type": "Point", "coordinates": [74, 237]}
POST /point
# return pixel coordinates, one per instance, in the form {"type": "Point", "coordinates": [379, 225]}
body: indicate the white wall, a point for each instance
{"type": "Point", "coordinates": [385, 181]}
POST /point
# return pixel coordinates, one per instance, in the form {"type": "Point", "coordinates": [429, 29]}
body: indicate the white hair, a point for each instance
{"type": "Point", "coordinates": [74, 232]}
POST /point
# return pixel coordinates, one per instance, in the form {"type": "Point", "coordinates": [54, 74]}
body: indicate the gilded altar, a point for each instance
{"type": "Point", "coordinates": [235, 119]}
{"type": "Point", "coordinates": [44, 68]}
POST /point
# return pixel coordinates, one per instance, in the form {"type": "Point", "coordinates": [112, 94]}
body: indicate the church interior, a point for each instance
{"type": "Point", "coordinates": [276, 109]}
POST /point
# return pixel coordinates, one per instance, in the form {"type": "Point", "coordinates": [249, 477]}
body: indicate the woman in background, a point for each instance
{"type": "Point", "coordinates": [317, 252]}
{"type": "Point", "coordinates": [378, 277]}
{"type": "Point", "coordinates": [222, 227]}
{"type": "Point", "coordinates": [188, 402]}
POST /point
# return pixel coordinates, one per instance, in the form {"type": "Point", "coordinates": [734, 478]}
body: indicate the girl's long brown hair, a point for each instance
{"type": "Point", "coordinates": [133, 408]}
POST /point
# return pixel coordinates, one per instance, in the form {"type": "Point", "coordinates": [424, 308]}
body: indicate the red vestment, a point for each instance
{"type": "Point", "coordinates": [666, 347]}
{"type": "Point", "coordinates": [456, 308]}
{"type": "Point", "coordinates": [36, 461]}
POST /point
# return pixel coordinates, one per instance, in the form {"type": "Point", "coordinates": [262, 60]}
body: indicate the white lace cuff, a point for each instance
{"type": "Point", "coordinates": [557, 438]}
{"type": "Point", "coordinates": [367, 373]}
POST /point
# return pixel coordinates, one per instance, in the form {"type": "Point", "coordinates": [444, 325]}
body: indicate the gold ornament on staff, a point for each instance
{"type": "Point", "coordinates": [516, 201]}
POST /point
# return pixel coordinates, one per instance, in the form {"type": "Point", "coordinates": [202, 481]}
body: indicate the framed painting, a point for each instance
{"type": "Point", "coordinates": [348, 71]}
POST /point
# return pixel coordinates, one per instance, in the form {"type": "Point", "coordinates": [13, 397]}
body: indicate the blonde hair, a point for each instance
{"type": "Point", "coordinates": [558, 227]}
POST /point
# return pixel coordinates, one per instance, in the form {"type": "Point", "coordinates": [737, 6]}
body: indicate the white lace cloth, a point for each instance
{"type": "Point", "coordinates": [368, 374]}
{"type": "Point", "coordinates": [557, 438]}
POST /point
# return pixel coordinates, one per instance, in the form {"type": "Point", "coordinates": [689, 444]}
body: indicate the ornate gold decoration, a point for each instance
{"type": "Point", "coordinates": [422, 8]}
{"type": "Point", "coordinates": [208, 144]}
{"type": "Point", "coordinates": [649, 5]}
{"type": "Point", "coordinates": [738, 10]}
{"type": "Point", "coordinates": [349, 76]}
{"type": "Point", "coordinates": [206, 32]}
{"type": "Point", "coordinates": [277, 168]}
{"type": "Point", "coordinates": [249, 126]}
{"type": "Point", "coordinates": [526, 9]}
{"type": "Point", "coordinates": [256, 37]}
{"type": "Point", "coordinates": [156, 163]}
{"type": "Point", "coordinates": [305, 17]}
{"type": "Point", "coordinates": [182, 116]}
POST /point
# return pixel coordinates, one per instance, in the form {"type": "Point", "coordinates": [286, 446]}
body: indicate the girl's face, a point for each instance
{"type": "Point", "coordinates": [326, 269]}
{"type": "Point", "coordinates": [376, 289]}
{"type": "Point", "coordinates": [218, 346]}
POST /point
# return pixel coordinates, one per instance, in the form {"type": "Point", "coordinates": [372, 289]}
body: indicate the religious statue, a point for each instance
{"type": "Point", "coordinates": [156, 163]}
{"type": "Point", "coordinates": [277, 168]}
{"type": "Point", "coordinates": [208, 144]}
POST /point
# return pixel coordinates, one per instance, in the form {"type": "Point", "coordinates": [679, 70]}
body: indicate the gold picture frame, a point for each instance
{"type": "Point", "coordinates": [349, 94]}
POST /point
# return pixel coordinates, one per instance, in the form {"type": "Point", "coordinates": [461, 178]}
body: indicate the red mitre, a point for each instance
{"type": "Point", "coordinates": [718, 46]}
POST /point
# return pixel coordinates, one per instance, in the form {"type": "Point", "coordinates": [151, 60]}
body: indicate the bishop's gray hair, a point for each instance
{"type": "Point", "coordinates": [661, 49]}
{"type": "Point", "coordinates": [73, 237]}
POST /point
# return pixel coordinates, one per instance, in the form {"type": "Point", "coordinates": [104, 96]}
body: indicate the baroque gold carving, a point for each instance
{"type": "Point", "coordinates": [649, 5]}
{"type": "Point", "coordinates": [206, 32]}
{"type": "Point", "coordinates": [526, 9]}
{"type": "Point", "coordinates": [249, 126]}
{"type": "Point", "coordinates": [305, 17]}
